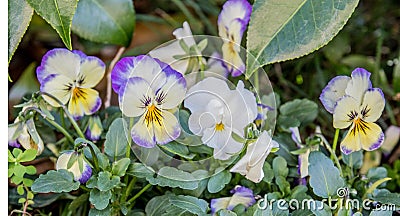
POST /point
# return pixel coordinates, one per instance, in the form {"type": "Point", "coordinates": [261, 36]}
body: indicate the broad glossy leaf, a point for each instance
{"type": "Point", "coordinates": [58, 13]}
{"type": "Point", "coordinates": [324, 176]}
{"type": "Point", "coordinates": [19, 17]}
{"type": "Point", "coordinates": [105, 21]}
{"type": "Point", "coordinates": [100, 199]}
{"type": "Point", "coordinates": [55, 181]}
{"type": "Point", "coordinates": [189, 203]}
{"type": "Point", "coordinates": [172, 177]}
{"type": "Point", "coordinates": [158, 205]}
{"type": "Point", "coordinates": [281, 30]}
{"type": "Point", "coordinates": [217, 182]}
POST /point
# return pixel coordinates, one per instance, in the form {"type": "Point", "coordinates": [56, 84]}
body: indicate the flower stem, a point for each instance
{"type": "Point", "coordinates": [139, 193]}
{"type": "Point", "coordinates": [70, 117]}
{"type": "Point", "coordinates": [335, 140]}
{"type": "Point", "coordinates": [256, 82]}
{"type": "Point", "coordinates": [61, 129]}
{"type": "Point", "coordinates": [107, 100]}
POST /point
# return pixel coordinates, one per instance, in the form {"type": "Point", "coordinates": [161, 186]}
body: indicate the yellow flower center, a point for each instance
{"type": "Point", "coordinates": [153, 114]}
{"type": "Point", "coordinates": [359, 126]}
{"type": "Point", "coordinates": [78, 93]}
{"type": "Point", "coordinates": [219, 127]}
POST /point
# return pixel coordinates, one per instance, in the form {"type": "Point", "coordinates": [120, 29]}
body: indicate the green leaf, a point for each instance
{"type": "Point", "coordinates": [19, 170]}
{"type": "Point", "coordinates": [55, 181]}
{"type": "Point", "coordinates": [105, 21]}
{"type": "Point", "coordinates": [105, 181]}
{"type": "Point", "coordinates": [386, 197]}
{"type": "Point", "coordinates": [20, 190]}
{"type": "Point", "coordinates": [396, 77]}
{"type": "Point", "coordinates": [381, 213]}
{"type": "Point", "coordinates": [189, 203]}
{"type": "Point", "coordinates": [304, 110]}
{"type": "Point", "coordinates": [172, 177]}
{"type": "Point", "coordinates": [158, 205]}
{"type": "Point", "coordinates": [353, 160]}
{"type": "Point", "coordinates": [279, 166]}
{"type": "Point", "coordinates": [268, 172]}
{"type": "Point", "coordinates": [16, 152]}
{"type": "Point", "coordinates": [100, 199]}
{"type": "Point", "coordinates": [16, 180]}
{"type": "Point", "coordinates": [27, 182]}
{"type": "Point", "coordinates": [19, 17]}
{"type": "Point", "coordinates": [178, 149]}
{"type": "Point", "coordinates": [58, 14]}
{"type": "Point", "coordinates": [224, 212]}
{"type": "Point", "coordinates": [217, 182]}
{"type": "Point", "coordinates": [324, 176]}
{"type": "Point", "coordinates": [11, 158]}
{"type": "Point", "coordinates": [77, 202]}
{"type": "Point", "coordinates": [376, 173]}
{"type": "Point", "coordinates": [283, 185]}
{"type": "Point", "coordinates": [281, 30]}
{"type": "Point", "coordinates": [116, 139]}
{"type": "Point", "coordinates": [22, 87]}
{"type": "Point", "coordinates": [119, 168]}
{"type": "Point", "coordinates": [105, 212]}
{"type": "Point", "coordinates": [139, 170]}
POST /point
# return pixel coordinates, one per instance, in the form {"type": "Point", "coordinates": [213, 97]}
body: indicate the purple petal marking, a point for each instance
{"type": "Point", "coordinates": [378, 143]}
{"type": "Point", "coordinates": [170, 72]}
{"type": "Point", "coordinates": [93, 58]}
{"type": "Point", "coordinates": [327, 103]}
{"type": "Point", "coordinates": [14, 143]}
{"type": "Point", "coordinates": [89, 135]}
{"type": "Point", "coordinates": [345, 150]}
{"type": "Point", "coordinates": [173, 136]}
{"type": "Point", "coordinates": [41, 73]}
{"type": "Point", "coordinates": [80, 53]}
{"type": "Point", "coordinates": [380, 91]}
{"type": "Point", "coordinates": [120, 72]}
{"type": "Point", "coordinates": [238, 71]}
{"type": "Point", "coordinates": [246, 7]}
{"type": "Point", "coordinates": [363, 73]}
{"type": "Point", "coordinates": [86, 174]}
{"type": "Point", "coordinates": [142, 142]}
{"type": "Point", "coordinates": [97, 106]}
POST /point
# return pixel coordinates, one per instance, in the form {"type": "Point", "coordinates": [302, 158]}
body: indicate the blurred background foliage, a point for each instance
{"type": "Point", "coordinates": [371, 39]}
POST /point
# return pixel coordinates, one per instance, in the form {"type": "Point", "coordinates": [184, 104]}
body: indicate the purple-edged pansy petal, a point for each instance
{"type": "Point", "coordinates": [333, 92]}
{"type": "Point", "coordinates": [366, 135]}
{"type": "Point", "coordinates": [233, 10]}
{"type": "Point", "coordinates": [94, 129]}
{"type": "Point", "coordinates": [134, 96]}
{"type": "Point", "coordinates": [59, 61]}
{"type": "Point", "coordinates": [143, 134]}
{"type": "Point", "coordinates": [171, 94]}
{"type": "Point", "coordinates": [241, 195]}
{"type": "Point", "coordinates": [79, 175]}
{"type": "Point", "coordinates": [295, 135]}
{"type": "Point", "coordinates": [373, 105]}
{"type": "Point", "coordinates": [92, 71]}
{"type": "Point", "coordinates": [359, 84]}
{"type": "Point", "coordinates": [344, 108]}
{"type": "Point", "coordinates": [84, 101]}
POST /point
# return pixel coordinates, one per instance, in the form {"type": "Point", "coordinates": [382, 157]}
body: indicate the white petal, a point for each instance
{"type": "Point", "coordinates": [392, 137]}
{"type": "Point", "coordinates": [142, 134]}
{"type": "Point", "coordinates": [358, 84]}
{"type": "Point", "coordinates": [373, 104]}
{"type": "Point", "coordinates": [185, 33]}
{"type": "Point", "coordinates": [200, 94]}
{"type": "Point", "coordinates": [59, 86]}
{"type": "Point", "coordinates": [133, 95]}
{"type": "Point", "coordinates": [84, 101]}
{"type": "Point", "coordinates": [222, 142]}
{"type": "Point", "coordinates": [333, 92]}
{"type": "Point", "coordinates": [172, 93]}
{"type": "Point", "coordinates": [369, 138]}
{"type": "Point", "coordinates": [59, 61]}
{"type": "Point", "coordinates": [199, 121]}
{"type": "Point", "coordinates": [295, 135]}
{"type": "Point", "coordinates": [344, 107]}
{"type": "Point", "coordinates": [166, 54]}
{"type": "Point", "coordinates": [91, 72]}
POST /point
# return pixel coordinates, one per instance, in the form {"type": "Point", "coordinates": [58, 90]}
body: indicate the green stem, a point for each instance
{"type": "Point", "coordinates": [256, 82]}
{"type": "Point", "coordinates": [129, 188]}
{"type": "Point", "coordinates": [71, 119]}
{"type": "Point", "coordinates": [61, 129]}
{"type": "Point", "coordinates": [139, 193]}
{"type": "Point", "coordinates": [335, 141]}
{"type": "Point", "coordinates": [128, 148]}
{"type": "Point", "coordinates": [95, 160]}
{"type": "Point", "coordinates": [62, 118]}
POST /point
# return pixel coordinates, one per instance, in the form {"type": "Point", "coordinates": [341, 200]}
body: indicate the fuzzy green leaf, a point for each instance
{"type": "Point", "coordinates": [189, 203]}
{"type": "Point", "coordinates": [105, 21]}
{"type": "Point", "coordinates": [217, 182]}
{"type": "Point", "coordinates": [58, 14]}
{"type": "Point", "coordinates": [324, 176]}
{"type": "Point", "coordinates": [116, 138]}
{"type": "Point", "coordinates": [281, 30]}
{"type": "Point", "coordinates": [119, 168]}
{"type": "Point", "coordinates": [100, 199]}
{"type": "Point", "coordinates": [55, 181]}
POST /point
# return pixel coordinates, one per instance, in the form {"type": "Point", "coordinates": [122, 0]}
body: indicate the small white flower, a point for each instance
{"type": "Point", "coordinates": [251, 164]}
{"type": "Point", "coordinates": [217, 112]}
{"type": "Point", "coordinates": [81, 173]}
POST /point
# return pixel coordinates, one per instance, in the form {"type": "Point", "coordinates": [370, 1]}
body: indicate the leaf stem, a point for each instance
{"type": "Point", "coordinates": [107, 99]}
{"type": "Point", "coordinates": [335, 140]}
{"type": "Point", "coordinates": [139, 193]}
{"type": "Point", "coordinates": [61, 129]}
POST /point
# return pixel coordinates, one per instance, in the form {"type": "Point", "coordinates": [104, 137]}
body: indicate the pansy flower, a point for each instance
{"type": "Point", "coordinates": [150, 90]}
{"type": "Point", "coordinates": [251, 164]}
{"type": "Point", "coordinates": [241, 195]}
{"type": "Point", "coordinates": [232, 22]}
{"type": "Point", "coordinates": [25, 134]}
{"type": "Point", "coordinates": [217, 112]}
{"type": "Point", "coordinates": [175, 55]}
{"type": "Point", "coordinates": [262, 110]}
{"type": "Point", "coordinates": [355, 104]}
{"type": "Point", "coordinates": [70, 76]}
{"type": "Point", "coordinates": [82, 172]}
